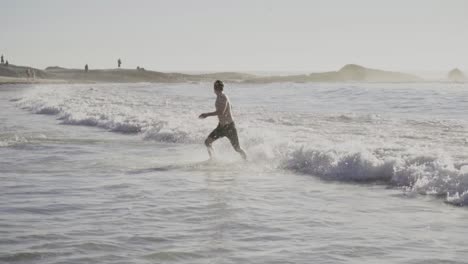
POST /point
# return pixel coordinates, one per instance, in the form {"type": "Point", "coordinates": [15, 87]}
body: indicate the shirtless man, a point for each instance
{"type": "Point", "coordinates": [226, 126]}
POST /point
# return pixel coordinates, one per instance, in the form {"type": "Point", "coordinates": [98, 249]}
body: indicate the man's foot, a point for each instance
{"type": "Point", "coordinates": [210, 152]}
{"type": "Point", "coordinates": [243, 155]}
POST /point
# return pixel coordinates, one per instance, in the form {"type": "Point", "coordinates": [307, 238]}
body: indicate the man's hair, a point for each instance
{"type": "Point", "coordinates": [218, 85]}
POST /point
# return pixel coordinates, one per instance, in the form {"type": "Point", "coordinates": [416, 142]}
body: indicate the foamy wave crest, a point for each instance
{"type": "Point", "coordinates": [48, 110]}
{"type": "Point", "coordinates": [458, 199]}
{"type": "Point", "coordinates": [170, 135]}
{"type": "Point", "coordinates": [433, 175]}
{"type": "Point", "coordinates": [367, 147]}
{"type": "Point", "coordinates": [15, 139]}
{"type": "Point", "coordinates": [12, 140]}
{"type": "Point", "coordinates": [330, 165]}
{"type": "Point", "coordinates": [114, 110]}
{"type": "Point", "coordinates": [102, 121]}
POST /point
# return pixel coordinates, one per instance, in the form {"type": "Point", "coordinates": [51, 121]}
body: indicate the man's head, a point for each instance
{"type": "Point", "coordinates": [218, 87]}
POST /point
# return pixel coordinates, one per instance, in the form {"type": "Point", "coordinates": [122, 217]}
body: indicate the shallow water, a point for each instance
{"type": "Point", "coordinates": [338, 173]}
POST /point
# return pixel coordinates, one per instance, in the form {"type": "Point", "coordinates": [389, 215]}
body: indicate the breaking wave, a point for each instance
{"type": "Point", "coordinates": [433, 175]}
{"type": "Point", "coordinates": [112, 114]}
{"type": "Point", "coordinates": [14, 139]}
{"type": "Point", "coordinates": [303, 139]}
{"type": "Point", "coordinates": [9, 140]}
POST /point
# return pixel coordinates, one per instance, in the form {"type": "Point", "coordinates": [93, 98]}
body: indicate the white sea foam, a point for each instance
{"type": "Point", "coordinates": [8, 140]}
{"type": "Point", "coordinates": [333, 171]}
{"type": "Point", "coordinates": [418, 154]}
{"type": "Point", "coordinates": [435, 175]}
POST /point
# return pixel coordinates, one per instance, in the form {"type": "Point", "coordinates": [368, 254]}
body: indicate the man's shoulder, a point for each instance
{"type": "Point", "coordinates": [222, 97]}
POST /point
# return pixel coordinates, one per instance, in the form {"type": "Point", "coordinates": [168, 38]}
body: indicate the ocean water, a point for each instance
{"type": "Point", "coordinates": [337, 173]}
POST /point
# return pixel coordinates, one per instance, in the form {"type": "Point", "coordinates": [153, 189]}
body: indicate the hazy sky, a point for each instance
{"type": "Point", "coordinates": [242, 35]}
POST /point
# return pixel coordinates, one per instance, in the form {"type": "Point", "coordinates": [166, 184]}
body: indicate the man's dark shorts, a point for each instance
{"type": "Point", "coordinates": [228, 131]}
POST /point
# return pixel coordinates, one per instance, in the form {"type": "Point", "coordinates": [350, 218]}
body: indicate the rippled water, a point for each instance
{"type": "Point", "coordinates": [338, 173]}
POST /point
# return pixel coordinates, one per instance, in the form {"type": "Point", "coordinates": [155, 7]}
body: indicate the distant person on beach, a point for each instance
{"type": "Point", "coordinates": [119, 62]}
{"type": "Point", "coordinates": [226, 126]}
{"type": "Point", "coordinates": [86, 68]}
{"type": "Point", "coordinates": [6, 63]}
{"type": "Point", "coordinates": [2, 61]}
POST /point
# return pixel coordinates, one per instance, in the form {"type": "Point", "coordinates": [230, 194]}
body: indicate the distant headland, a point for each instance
{"type": "Point", "coordinates": [10, 73]}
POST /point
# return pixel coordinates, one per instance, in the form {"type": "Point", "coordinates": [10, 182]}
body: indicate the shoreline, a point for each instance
{"type": "Point", "coordinates": [350, 73]}
{"type": "Point", "coordinates": [14, 80]}
{"type": "Point", "coordinates": [24, 81]}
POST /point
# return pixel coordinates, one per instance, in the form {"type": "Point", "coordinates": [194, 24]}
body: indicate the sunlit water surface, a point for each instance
{"type": "Point", "coordinates": [337, 173]}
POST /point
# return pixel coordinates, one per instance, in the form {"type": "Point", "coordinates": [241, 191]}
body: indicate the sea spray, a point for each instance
{"type": "Point", "coordinates": [350, 147]}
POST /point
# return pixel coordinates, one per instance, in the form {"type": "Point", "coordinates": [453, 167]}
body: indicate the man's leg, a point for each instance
{"type": "Point", "coordinates": [214, 135]}
{"type": "Point", "coordinates": [234, 139]}
{"type": "Point", "coordinates": [241, 152]}
{"type": "Point", "coordinates": [210, 149]}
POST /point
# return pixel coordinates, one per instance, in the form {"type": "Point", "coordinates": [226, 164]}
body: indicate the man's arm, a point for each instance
{"type": "Point", "coordinates": [205, 115]}
{"type": "Point", "coordinates": [220, 109]}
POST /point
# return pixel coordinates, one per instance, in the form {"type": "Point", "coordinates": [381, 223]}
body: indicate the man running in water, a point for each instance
{"type": "Point", "coordinates": [226, 126]}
